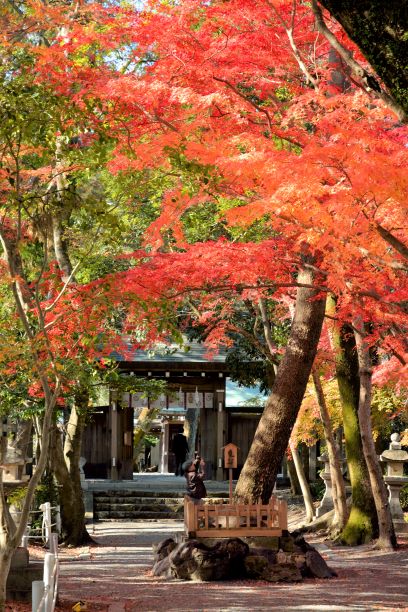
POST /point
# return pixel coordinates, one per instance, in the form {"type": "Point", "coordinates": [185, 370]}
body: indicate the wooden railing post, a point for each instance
{"type": "Point", "coordinates": [235, 520]}
{"type": "Point", "coordinates": [189, 517]}
{"type": "Point", "coordinates": [283, 515]}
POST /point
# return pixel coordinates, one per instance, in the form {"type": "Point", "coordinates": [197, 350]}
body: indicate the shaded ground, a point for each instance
{"type": "Point", "coordinates": [113, 575]}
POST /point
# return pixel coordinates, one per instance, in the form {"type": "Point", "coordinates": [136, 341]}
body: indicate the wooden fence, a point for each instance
{"type": "Point", "coordinates": [234, 520]}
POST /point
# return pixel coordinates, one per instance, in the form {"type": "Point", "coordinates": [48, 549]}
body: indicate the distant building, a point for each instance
{"type": "Point", "coordinates": [228, 413]}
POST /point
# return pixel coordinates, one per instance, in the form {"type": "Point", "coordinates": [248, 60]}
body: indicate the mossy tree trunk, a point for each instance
{"type": "Point", "coordinates": [271, 438]}
{"type": "Point", "coordinates": [362, 524]}
{"type": "Point", "coordinates": [386, 537]}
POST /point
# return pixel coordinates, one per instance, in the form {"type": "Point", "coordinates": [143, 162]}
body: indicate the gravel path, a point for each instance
{"type": "Point", "coordinates": [113, 575]}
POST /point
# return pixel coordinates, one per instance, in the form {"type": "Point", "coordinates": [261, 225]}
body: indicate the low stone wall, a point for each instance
{"type": "Point", "coordinates": [22, 574]}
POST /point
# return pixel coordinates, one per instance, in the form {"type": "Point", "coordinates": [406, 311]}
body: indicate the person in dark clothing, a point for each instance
{"type": "Point", "coordinates": [180, 450]}
{"type": "Point", "coordinates": [194, 474]}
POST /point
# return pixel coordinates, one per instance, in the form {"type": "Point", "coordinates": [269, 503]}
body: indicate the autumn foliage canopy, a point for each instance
{"type": "Point", "coordinates": [244, 109]}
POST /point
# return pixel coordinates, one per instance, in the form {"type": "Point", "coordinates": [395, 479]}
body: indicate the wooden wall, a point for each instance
{"type": "Point", "coordinates": [125, 446]}
{"type": "Point", "coordinates": [241, 430]}
{"type": "Point", "coordinates": [208, 441]}
{"type": "Point", "coordinates": [96, 445]}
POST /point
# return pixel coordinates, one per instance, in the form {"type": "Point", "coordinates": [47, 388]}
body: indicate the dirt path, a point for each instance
{"type": "Point", "coordinates": [113, 575]}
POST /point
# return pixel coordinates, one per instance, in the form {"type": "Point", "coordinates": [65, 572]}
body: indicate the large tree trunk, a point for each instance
{"type": "Point", "coordinates": [362, 523]}
{"type": "Point", "coordinates": [65, 466]}
{"type": "Point", "coordinates": [304, 485]}
{"type": "Point", "coordinates": [386, 539]}
{"type": "Point", "coordinates": [338, 486]}
{"type": "Point", "coordinates": [378, 28]}
{"type": "Point", "coordinates": [271, 438]}
{"type": "Point", "coordinates": [73, 530]}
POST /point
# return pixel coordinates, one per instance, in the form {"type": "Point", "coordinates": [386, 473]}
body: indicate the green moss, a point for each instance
{"type": "Point", "coordinates": [404, 498]}
{"type": "Point", "coordinates": [358, 529]}
{"type": "Point", "coordinates": [362, 524]}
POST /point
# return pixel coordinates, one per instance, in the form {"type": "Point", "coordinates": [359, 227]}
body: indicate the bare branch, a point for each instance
{"type": "Point", "coordinates": [368, 81]}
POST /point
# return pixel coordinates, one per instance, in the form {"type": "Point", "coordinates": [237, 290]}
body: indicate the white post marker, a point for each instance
{"type": "Point", "coordinates": [46, 508]}
{"type": "Point", "coordinates": [54, 544]}
{"type": "Point", "coordinates": [37, 593]}
{"type": "Point", "coordinates": [49, 564]}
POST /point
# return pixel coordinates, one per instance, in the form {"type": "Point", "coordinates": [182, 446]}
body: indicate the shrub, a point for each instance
{"type": "Point", "coordinates": [317, 489]}
{"type": "Point", "coordinates": [404, 498]}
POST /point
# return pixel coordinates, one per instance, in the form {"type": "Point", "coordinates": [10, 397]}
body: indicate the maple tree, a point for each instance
{"type": "Point", "coordinates": [241, 109]}
{"type": "Point", "coordinates": [45, 204]}
{"type": "Point", "coordinates": [278, 144]}
{"type": "Point", "coordinates": [258, 129]}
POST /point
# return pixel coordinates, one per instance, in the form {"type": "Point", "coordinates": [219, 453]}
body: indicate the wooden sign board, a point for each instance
{"type": "Point", "coordinates": [231, 456]}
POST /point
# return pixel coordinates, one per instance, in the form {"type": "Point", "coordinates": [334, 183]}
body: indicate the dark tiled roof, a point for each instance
{"type": "Point", "coordinates": [194, 353]}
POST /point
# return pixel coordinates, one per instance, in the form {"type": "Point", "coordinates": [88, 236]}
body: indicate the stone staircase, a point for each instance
{"type": "Point", "coordinates": [132, 505]}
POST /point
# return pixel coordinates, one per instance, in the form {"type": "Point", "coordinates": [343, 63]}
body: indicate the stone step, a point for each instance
{"type": "Point", "coordinates": [133, 515]}
{"type": "Point", "coordinates": [131, 505]}
{"type": "Point", "coordinates": [20, 579]}
{"type": "Point", "coordinates": [151, 494]}
{"type": "Point", "coordinates": [151, 501]}
{"type": "Point", "coordinates": [133, 493]}
{"type": "Point", "coordinates": [113, 507]}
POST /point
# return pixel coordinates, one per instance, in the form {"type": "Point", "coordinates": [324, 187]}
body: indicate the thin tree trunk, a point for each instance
{"type": "Point", "coordinates": [386, 539]}
{"type": "Point", "coordinates": [304, 485]}
{"type": "Point", "coordinates": [66, 459]}
{"type": "Point", "coordinates": [10, 535]}
{"type": "Point", "coordinates": [294, 480]}
{"type": "Point", "coordinates": [61, 248]}
{"type": "Point", "coordinates": [7, 544]}
{"type": "Point", "coordinates": [271, 438]}
{"type": "Point", "coordinates": [362, 525]}
{"type": "Point", "coordinates": [338, 486]}
{"type": "Point", "coordinates": [7, 530]}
